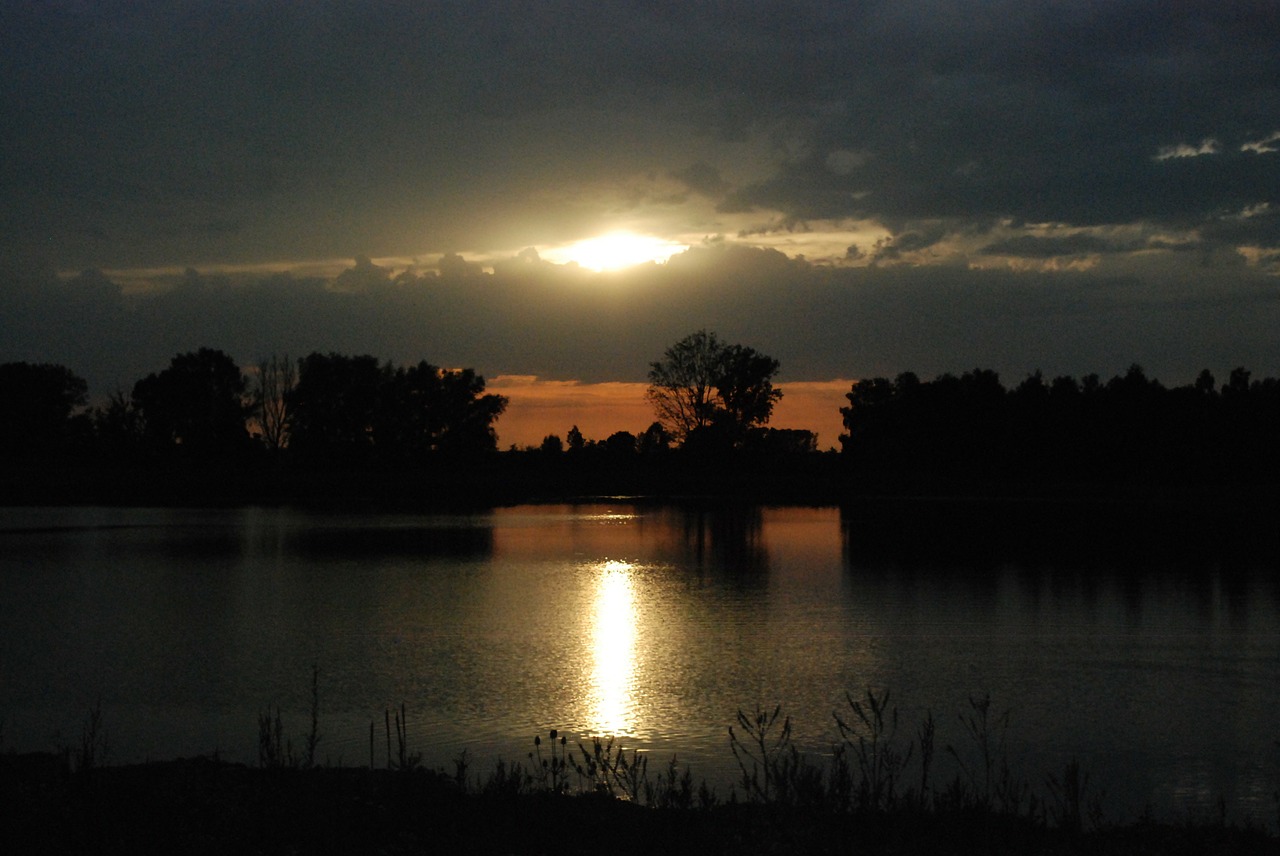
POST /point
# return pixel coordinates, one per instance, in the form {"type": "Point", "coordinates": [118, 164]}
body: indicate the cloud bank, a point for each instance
{"type": "Point", "coordinates": [558, 322]}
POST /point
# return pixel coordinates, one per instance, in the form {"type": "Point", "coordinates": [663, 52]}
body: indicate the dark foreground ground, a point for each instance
{"type": "Point", "coordinates": [207, 806]}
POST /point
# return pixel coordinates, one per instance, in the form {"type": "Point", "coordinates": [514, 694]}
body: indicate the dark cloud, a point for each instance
{"type": "Point", "coordinates": [1044, 114]}
{"type": "Point", "coordinates": [911, 240]}
{"type": "Point", "coordinates": [1033, 246]}
{"type": "Point", "coordinates": [1258, 227]}
{"type": "Point", "coordinates": [365, 276]}
{"type": "Point", "coordinates": [454, 266]}
{"type": "Point", "coordinates": [702, 178]}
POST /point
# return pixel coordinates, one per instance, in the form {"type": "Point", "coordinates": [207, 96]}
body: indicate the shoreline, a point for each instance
{"type": "Point", "coordinates": [203, 804]}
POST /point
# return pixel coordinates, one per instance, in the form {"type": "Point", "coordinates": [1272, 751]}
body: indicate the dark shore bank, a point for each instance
{"type": "Point", "coordinates": [203, 805]}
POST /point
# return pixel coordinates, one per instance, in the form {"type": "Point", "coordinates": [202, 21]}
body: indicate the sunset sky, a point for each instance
{"type": "Point", "coordinates": [854, 188]}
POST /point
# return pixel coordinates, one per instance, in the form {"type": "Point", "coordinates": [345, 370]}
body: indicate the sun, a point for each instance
{"type": "Point", "coordinates": [615, 250]}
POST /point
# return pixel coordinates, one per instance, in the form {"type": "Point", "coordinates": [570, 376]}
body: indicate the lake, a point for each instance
{"type": "Point", "coordinates": [1157, 669]}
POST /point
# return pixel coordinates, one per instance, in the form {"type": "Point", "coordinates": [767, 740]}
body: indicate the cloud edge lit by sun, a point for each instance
{"type": "Point", "coordinates": [614, 250]}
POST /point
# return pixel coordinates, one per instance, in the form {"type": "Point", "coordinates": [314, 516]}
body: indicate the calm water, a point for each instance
{"type": "Point", "coordinates": [1160, 674]}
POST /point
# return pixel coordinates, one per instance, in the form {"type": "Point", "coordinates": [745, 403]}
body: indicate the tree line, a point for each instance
{"type": "Point", "coordinates": [322, 409]}
{"type": "Point", "coordinates": [963, 433]}
{"type": "Point", "coordinates": [712, 401]}
{"type": "Point", "coordinates": [330, 408]}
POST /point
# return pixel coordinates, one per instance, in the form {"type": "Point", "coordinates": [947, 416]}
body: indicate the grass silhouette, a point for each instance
{"type": "Point", "coordinates": [876, 791]}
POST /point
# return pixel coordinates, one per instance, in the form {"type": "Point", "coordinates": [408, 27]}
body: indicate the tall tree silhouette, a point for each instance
{"type": "Point", "coordinates": [745, 387]}
{"type": "Point", "coordinates": [275, 380]}
{"type": "Point", "coordinates": [36, 404]}
{"type": "Point", "coordinates": [333, 406]}
{"type": "Point", "coordinates": [197, 406]}
{"type": "Point", "coordinates": [117, 427]}
{"type": "Point", "coordinates": [424, 409]}
{"type": "Point", "coordinates": [701, 382]}
{"type": "Point", "coordinates": [352, 409]}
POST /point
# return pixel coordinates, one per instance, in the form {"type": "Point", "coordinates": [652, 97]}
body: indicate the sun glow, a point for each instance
{"type": "Point", "coordinates": [615, 250]}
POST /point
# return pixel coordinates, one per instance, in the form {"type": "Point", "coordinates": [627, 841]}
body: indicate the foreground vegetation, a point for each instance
{"type": "Point", "coordinates": [878, 791]}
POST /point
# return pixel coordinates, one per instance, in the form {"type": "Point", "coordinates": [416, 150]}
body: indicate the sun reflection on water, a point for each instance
{"type": "Point", "coordinates": [612, 705]}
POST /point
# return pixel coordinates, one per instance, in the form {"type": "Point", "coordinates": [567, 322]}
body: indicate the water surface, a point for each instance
{"type": "Point", "coordinates": [1160, 672]}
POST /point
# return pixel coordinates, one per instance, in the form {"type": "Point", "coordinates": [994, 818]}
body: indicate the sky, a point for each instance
{"type": "Point", "coordinates": [855, 188]}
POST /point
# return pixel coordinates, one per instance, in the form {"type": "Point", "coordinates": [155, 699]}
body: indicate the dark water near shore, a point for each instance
{"type": "Point", "coordinates": [1158, 670]}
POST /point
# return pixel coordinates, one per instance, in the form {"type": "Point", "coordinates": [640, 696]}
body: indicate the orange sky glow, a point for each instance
{"type": "Point", "coordinates": [538, 407]}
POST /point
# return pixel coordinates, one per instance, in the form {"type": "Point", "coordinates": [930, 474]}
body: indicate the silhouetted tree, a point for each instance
{"type": "Point", "coordinates": [332, 406]}
{"type": "Point", "coordinates": [701, 382]}
{"type": "Point", "coordinates": [620, 444]}
{"type": "Point", "coordinates": [682, 385]}
{"type": "Point", "coordinates": [36, 404]}
{"type": "Point", "coordinates": [351, 409]}
{"type": "Point", "coordinates": [654, 440]}
{"type": "Point", "coordinates": [1237, 382]}
{"type": "Point", "coordinates": [197, 406]}
{"type": "Point", "coordinates": [423, 409]}
{"type": "Point", "coordinates": [552, 445]}
{"type": "Point", "coordinates": [117, 427]}
{"type": "Point", "coordinates": [745, 386]}
{"type": "Point", "coordinates": [276, 378]}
